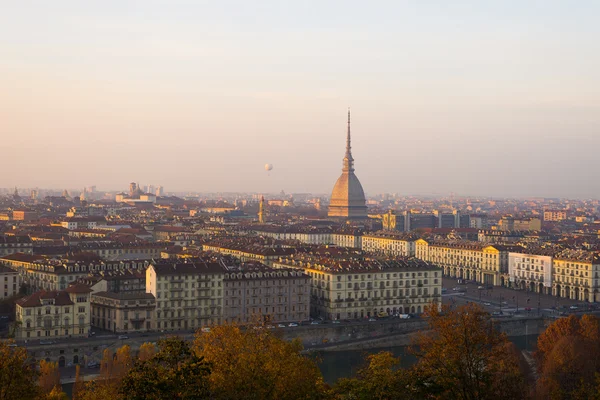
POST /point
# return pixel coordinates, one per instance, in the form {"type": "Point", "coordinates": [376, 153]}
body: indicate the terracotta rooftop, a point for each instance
{"type": "Point", "coordinates": [35, 300]}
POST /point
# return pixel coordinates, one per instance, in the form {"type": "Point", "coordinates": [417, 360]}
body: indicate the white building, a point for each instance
{"type": "Point", "coordinates": [188, 295]}
{"type": "Point", "coordinates": [531, 271]}
{"type": "Point", "coordinates": [9, 282]}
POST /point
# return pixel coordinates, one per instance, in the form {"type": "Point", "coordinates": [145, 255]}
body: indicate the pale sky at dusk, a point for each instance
{"type": "Point", "coordinates": [498, 98]}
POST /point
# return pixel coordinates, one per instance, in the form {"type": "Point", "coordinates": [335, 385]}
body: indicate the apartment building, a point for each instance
{"type": "Point", "coordinates": [123, 312]}
{"type": "Point", "coordinates": [390, 243]}
{"type": "Point", "coordinates": [303, 233]}
{"type": "Point", "coordinates": [355, 285]}
{"type": "Point", "coordinates": [250, 250]}
{"type": "Point", "coordinates": [531, 269]}
{"type": "Point", "coordinates": [188, 295]}
{"type": "Point", "coordinates": [555, 215]}
{"type": "Point", "coordinates": [476, 261]}
{"type": "Point", "coordinates": [128, 251]}
{"type": "Point", "coordinates": [43, 273]}
{"type": "Point", "coordinates": [576, 275]}
{"type": "Point", "coordinates": [15, 244]}
{"type": "Point", "coordinates": [9, 282]}
{"type": "Point", "coordinates": [255, 291]}
{"type": "Point", "coordinates": [54, 314]}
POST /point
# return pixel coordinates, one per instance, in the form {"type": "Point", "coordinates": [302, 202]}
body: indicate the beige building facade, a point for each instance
{"type": "Point", "coordinates": [189, 295]}
{"type": "Point", "coordinates": [273, 295]}
{"type": "Point", "coordinates": [9, 282]}
{"type": "Point", "coordinates": [375, 288]}
{"type": "Point", "coordinates": [390, 243]}
{"type": "Point", "coordinates": [487, 264]}
{"type": "Point", "coordinates": [123, 312]}
{"type": "Point", "coordinates": [48, 315]}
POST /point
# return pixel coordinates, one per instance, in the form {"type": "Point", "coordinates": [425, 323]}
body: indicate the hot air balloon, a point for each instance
{"type": "Point", "coordinates": [268, 167]}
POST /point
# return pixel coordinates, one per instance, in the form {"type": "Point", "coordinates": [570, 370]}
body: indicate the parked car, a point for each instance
{"type": "Point", "coordinates": [496, 313]}
{"type": "Point", "coordinates": [46, 342]}
{"type": "Point", "coordinates": [487, 304]}
{"type": "Point", "coordinates": [404, 316]}
{"type": "Point", "coordinates": [293, 324]}
{"type": "Point", "coordinates": [281, 325]}
{"type": "Point", "coordinates": [123, 337]}
{"type": "Point", "coordinates": [205, 329]}
{"type": "Point", "coordinates": [93, 364]}
{"type": "Point", "coordinates": [444, 290]}
{"type": "Point", "coordinates": [573, 308]}
{"type": "Point", "coordinates": [335, 321]}
{"type": "Point", "coordinates": [372, 320]}
{"type": "Point", "coordinates": [481, 287]}
{"type": "Point", "coordinates": [315, 322]}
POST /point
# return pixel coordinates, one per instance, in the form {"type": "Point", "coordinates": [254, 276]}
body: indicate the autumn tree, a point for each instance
{"type": "Point", "coordinates": [55, 394]}
{"type": "Point", "coordinates": [112, 369]}
{"type": "Point", "coordinates": [49, 376]}
{"type": "Point", "coordinates": [254, 363]}
{"type": "Point", "coordinates": [146, 352]}
{"type": "Point", "coordinates": [463, 356]}
{"type": "Point", "coordinates": [568, 358]}
{"type": "Point", "coordinates": [379, 379]}
{"type": "Point", "coordinates": [18, 378]}
{"type": "Point", "coordinates": [79, 385]}
{"type": "Point", "coordinates": [174, 372]}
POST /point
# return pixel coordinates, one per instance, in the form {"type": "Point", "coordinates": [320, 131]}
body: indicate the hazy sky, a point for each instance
{"type": "Point", "coordinates": [475, 97]}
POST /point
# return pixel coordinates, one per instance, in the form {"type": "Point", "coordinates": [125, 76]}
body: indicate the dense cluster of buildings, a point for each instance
{"type": "Point", "coordinates": [143, 260]}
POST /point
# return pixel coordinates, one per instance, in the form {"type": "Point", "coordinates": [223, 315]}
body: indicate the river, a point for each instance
{"type": "Point", "coordinates": [344, 364]}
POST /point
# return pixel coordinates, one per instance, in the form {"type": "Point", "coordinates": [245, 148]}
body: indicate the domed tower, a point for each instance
{"type": "Point", "coordinates": [348, 197]}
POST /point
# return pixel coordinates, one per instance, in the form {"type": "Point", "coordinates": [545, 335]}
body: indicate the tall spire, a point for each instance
{"type": "Point", "coordinates": [348, 160]}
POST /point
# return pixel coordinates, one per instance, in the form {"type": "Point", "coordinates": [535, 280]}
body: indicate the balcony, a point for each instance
{"type": "Point", "coordinates": [176, 289]}
{"type": "Point", "coordinates": [205, 279]}
{"type": "Point", "coordinates": [138, 319]}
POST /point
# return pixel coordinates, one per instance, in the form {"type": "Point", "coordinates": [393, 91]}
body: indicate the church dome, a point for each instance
{"type": "Point", "coordinates": [348, 198]}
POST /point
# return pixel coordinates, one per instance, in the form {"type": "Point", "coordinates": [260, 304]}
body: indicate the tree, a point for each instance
{"type": "Point", "coordinates": [379, 379]}
{"type": "Point", "coordinates": [79, 384]}
{"type": "Point", "coordinates": [569, 358]}
{"type": "Point", "coordinates": [146, 352]}
{"type": "Point", "coordinates": [56, 394]}
{"type": "Point", "coordinates": [464, 356]}
{"type": "Point", "coordinates": [112, 371]}
{"type": "Point", "coordinates": [174, 372]}
{"type": "Point", "coordinates": [254, 363]}
{"type": "Point", "coordinates": [17, 377]}
{"type": "Point", "coordinates": [49, 376]}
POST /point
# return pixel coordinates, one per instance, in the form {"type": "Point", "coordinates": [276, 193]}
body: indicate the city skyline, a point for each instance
{"type": "Point", "coordinates": [498, 99]}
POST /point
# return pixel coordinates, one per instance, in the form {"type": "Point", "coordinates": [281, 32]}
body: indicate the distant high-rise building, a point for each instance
{"type": "Point", "coordinates": [160, 191]}
{"type": "Point", "coordinates": [132, 189]}
{"type": "Point", "coordinates": [150, 189]}
{"type": "Point", "coordinates": [261, 211]}
{"type": "Point", "coordinates": [348, 197]}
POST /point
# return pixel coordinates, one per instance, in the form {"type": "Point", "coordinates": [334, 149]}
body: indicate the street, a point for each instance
{"type": "Point", "coordinates": [505, 300]}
